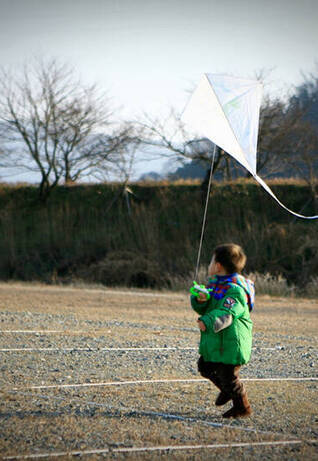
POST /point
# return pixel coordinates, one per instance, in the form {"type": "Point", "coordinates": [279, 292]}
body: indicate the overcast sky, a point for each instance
{"type": "Point", "coordinates": [148, 52]}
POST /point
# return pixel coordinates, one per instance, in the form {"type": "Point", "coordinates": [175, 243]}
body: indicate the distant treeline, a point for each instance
{"type": "Point", "coordinates": [148, 235]}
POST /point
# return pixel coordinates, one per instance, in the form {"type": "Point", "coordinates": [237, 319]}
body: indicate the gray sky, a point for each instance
{"type": "Point", "coordinates": [148, 52]}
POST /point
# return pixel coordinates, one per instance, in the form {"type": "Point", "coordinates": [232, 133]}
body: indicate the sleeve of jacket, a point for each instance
{"type": "Point", "coordinates": [232, 304]}
{"type": "Point", "coordinates": [200, 308]}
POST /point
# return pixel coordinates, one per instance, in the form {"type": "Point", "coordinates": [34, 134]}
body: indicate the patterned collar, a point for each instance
{"type": "Point", "coordinates": [220, 284]}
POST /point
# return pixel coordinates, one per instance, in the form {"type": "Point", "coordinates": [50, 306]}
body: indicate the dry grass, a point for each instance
{"type": "Point", "coordinates": [66, 419]}
{"type": "Point", "coordinates": [154, 308]}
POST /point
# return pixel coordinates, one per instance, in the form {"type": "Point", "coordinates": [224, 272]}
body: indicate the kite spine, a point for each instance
{"type": "Point", "coordinates": [205, 215]}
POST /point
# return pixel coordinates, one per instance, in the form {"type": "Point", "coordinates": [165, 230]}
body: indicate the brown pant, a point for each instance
{"type": "Point", "coordinates": [224, 376]}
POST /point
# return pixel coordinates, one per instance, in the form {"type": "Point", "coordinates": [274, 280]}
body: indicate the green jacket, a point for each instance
{"type": "Point", "coordinates": [228, 335]}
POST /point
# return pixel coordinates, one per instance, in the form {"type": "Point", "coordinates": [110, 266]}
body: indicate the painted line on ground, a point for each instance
{"type": "Point", "coordinates": [112, 349]}
{"type": "Point", "coordinates": [154, 381]}
{"type": "Point", "coordinates": [162, 448]}
{"type": "Point", "coordinates": [101, 349]}
{"type": "Point", "coordinates": [104, 331]}
{"type": "Point", "coordinates": [50, 331]}
{"type": "Point", "coordinates": [150, 295]}
{"type": "Point", "coordinates": [112, 383]}
{"type": "Point", "coordinates": [148, 413]}
{"type": "Point", "coordinates": [96, 290]}
{"type": "Point", "coordinates": [307, 378]}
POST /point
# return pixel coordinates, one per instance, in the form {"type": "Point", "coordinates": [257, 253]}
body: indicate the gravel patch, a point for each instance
{"type": "Point", "coordinates": [95, 364]}
{"type": "Point", "coordinates": [66, 419]}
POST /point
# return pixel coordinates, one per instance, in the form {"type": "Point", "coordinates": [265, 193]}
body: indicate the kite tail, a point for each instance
{"type": "Point", "coordinates": [269, 190]}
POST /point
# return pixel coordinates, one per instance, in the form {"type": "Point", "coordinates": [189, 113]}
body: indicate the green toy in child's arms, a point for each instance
{"type": "Point", "coordinates": [197, 289]}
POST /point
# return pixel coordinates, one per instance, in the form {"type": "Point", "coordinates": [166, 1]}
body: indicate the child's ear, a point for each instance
{"type": "Point", "coordinates": [218, 267]}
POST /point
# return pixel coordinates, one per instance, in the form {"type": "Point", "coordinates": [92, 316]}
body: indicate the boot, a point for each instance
{"type": "Point", "coordinates": [222, 398]}
{"type": "Point", "coordinates": [241, 407]}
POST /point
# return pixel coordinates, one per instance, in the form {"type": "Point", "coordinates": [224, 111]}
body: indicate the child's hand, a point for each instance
{"type": "Point", "coordinates": [202, 297]}
{"type": "Point", "coordinates": [201, 325]}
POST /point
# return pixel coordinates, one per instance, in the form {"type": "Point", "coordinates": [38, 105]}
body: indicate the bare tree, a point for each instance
{"type": "Point", "coordinates": [303, 153]}
{"type": "Point", "coordinates": [288, 137]}
{"type": "Point", "coordinates": [56, 126]}
{"type": "Point", "coordinates": [273, 139]}
{"type": "Point", "coordinates": [275, 152]}
{"type": "Point", "coordinates": [287, 141]}
{"type": "Point", "coordinates": [273, 134]}
{"type": "Point", "coordinates": [167, 138]}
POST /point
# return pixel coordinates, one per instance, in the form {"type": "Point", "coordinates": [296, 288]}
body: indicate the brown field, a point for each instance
{"type": "Point", "coordinates": [80, 322]}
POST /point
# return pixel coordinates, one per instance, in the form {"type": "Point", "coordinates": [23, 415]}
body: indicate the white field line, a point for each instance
{"type": "Point", "coordinates": [147, 413]}
{"type": "Point", "coordinates": [150, 295]}
{"type": "Point", "coordinates": [106, 292]}
{"type": "Point", "coordinates": [104, 331]}
{"type": "Point", "coordinates": [153, 381]}
{"type": "Point", "coordinates": [45, 332]}
{"type": "Point", "coordinates": [101, 349]}
{"type": "Point", "coordinates": [307, 378]}
{"type": "Point", "coordinates": [162, 448]}
{"type": "Point", "coordinates": [112, 349]}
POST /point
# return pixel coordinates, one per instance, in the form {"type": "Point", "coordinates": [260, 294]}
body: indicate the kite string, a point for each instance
{"type": "Point", "coordinates": [205, 214]}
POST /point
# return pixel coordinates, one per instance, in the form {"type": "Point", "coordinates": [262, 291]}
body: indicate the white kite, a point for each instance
{"type": "Point", "coordinates": [226, 110]}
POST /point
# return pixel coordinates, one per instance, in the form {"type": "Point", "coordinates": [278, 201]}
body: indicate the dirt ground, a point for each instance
{"type": "Point", "coordinates": [83, 342]}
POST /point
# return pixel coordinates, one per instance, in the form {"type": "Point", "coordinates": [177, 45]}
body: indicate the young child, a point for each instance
{"type": "Point", "coordinates": [226, 327]}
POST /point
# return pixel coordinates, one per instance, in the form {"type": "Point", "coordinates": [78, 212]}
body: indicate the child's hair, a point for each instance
{"type": "Point", "coordinates": [231, 256]}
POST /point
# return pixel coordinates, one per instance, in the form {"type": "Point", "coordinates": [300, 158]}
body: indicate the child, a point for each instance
{"type": "Point", "coordinates": [226, 327]}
